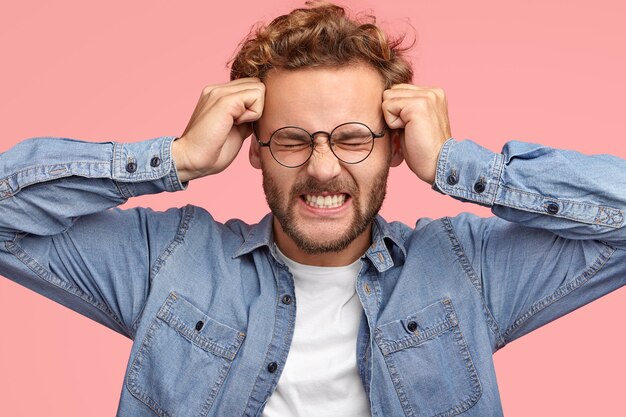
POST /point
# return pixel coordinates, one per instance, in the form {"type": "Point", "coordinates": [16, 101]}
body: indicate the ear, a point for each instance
{"type": "Point", "coordinates": [255, 152]}
{"type": "Point", "coordinates": [396, 136]}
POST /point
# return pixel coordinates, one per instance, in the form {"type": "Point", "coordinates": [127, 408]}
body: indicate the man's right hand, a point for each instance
{"type": "Point", "coordinates": [220, 123]}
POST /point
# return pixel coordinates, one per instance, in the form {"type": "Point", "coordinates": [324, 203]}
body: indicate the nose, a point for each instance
{"type": "Point", "coordinates": [323, 164]}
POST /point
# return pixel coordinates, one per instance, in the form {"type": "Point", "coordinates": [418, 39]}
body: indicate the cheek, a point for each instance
{"type": "Point", "coordinates": [280, 181]}
{"type": "Point", "coordinates": [372, 182]}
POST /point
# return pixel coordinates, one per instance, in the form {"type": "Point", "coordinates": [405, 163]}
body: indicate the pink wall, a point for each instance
{"type": "Point", "coordinates": [541, 71]}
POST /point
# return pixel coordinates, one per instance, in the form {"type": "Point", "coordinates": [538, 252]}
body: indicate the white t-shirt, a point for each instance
{"type": "Point", "coordinates": [320, 377]}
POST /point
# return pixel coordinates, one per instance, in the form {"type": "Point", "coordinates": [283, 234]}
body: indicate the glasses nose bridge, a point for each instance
{"type": "Point", "coordinates": [320, 132]}
{"type": "Point", "coordinates": [314, 135]}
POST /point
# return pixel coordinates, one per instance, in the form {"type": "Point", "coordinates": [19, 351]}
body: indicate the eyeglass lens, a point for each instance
{"type": "Point", "coordinates": [350, 142]}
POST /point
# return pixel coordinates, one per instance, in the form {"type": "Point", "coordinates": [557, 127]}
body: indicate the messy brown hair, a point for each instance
{"type": "Point", "coordinates": [321, 35]}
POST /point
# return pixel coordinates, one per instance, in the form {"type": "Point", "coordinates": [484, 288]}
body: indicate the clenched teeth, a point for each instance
{"type": "Point", "coordinates": [328, 201]}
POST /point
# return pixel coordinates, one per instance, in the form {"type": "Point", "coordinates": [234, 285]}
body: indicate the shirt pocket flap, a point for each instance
{"type": "Point", "coordinates": [201, 330]}
{"type": "Point", "coordinates": [423, 325]}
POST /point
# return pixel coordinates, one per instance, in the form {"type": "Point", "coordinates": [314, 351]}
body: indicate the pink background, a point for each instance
{"type": "Point", "coordinates": [541, 71]}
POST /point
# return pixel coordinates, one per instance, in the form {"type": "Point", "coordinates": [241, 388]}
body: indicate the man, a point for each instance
{"type": "Point", "coordinates": [212, 307]}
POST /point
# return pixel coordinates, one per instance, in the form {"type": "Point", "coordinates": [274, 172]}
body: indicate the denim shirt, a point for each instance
{"type": "Point", "coordinates": [203, 301]}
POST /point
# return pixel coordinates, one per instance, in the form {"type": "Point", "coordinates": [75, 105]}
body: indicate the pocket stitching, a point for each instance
{"type": "Point", "coordinates": [451, 323]}
{"type": "Point", "coordinates": [133, 373]}
{"type": "Point", "coordinates": [145, 348]}
{"type": "Point", "coordinates": [167, 314]}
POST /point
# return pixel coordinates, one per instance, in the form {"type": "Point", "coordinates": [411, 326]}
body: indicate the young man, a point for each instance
{"type": "Point", "coordinates": [322, 308]}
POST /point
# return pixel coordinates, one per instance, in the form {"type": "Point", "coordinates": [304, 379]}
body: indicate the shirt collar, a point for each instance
{"type": "Point", "coordinates": [261, 234]}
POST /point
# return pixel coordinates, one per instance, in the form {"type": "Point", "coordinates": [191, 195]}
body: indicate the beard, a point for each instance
{"type": "Point", "coordinates": [284, 208]}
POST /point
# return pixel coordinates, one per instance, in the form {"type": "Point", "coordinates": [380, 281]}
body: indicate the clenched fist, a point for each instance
{"type": "Point", "coordinates": [220, 123]}
{"type": "Point", "coordinates": [423, 114]}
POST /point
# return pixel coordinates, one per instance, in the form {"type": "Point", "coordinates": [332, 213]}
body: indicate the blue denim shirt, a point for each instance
{"type": "Point", "coordinates": [203, 300]}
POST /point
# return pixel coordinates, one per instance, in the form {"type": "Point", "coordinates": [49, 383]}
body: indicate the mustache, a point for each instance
{"type": "Point", "coordinates": [312, 186]}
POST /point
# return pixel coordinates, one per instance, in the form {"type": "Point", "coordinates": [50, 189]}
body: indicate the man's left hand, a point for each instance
{"type": "Point", "coordinates": [423, 114]}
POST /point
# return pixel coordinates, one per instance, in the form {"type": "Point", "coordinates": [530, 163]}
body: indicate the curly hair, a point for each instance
{"type": "Point", "coordinates": [321, 35]}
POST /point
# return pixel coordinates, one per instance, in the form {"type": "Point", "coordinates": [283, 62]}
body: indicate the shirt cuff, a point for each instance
{"type": "Point", "coordinates": [468, 172]}
{"type": "Point", "coordinates": [146, 167]}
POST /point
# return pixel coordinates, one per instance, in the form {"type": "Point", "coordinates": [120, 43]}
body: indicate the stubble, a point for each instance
{"type": "Point", "coordinates": [362, 218]}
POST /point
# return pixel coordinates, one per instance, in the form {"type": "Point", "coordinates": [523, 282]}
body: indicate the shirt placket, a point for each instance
{"type": "Point", "coordinates": [278, 349]}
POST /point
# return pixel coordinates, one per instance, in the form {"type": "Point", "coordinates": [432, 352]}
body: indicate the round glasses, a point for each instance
{"type": "Point", "coordinates": [293, 146]}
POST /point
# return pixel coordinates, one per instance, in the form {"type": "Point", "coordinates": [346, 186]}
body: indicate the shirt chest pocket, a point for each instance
{"type": "Point", "coordinates": [429, 362]}
{"type": "Point", "coordinates": [183, 360]}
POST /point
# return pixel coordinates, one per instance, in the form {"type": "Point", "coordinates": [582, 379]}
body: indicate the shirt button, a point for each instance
{"type": "Point", "coordinates": [272, 367]}
{"type": "Point", "coordinates": [131, 167]}
{"type": "Point", "coordinates": [452, 179]}
{"type": "Point", "coordinates": [552, 208]}
{"type": "Point", "coordinates": [155, 162]}
{"type": "Point", "coordinates": [412, 326]}
{"type": "Point", "coordinates": [199, 325]}
{"type": "Point", "coordinates": [286, 299]}
{"type": "Point", "coordinates": [479, 187]}
{"type": "Point", "coordinates": [367, 289]}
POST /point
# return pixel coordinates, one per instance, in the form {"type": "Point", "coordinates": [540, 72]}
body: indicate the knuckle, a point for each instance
{"type": "Point", "coordinates": [441, 94]}
{"type": "Point", "coordinates": [223, 101]}
{"type": "Point", "coordinates": [419, 105]}
{"type": "Point", "coordinates": [207, 90]}
{"type": "Point", "coordinates": [261, 91]}
{"type": "Point", "coordinates": [431, 94]}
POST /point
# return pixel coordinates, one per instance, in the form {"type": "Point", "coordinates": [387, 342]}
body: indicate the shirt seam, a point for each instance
{"type": "Point", "coordinates": [43, 273]}
{"type": "Point", "coordinates": [30, 180]}
{"type": "Point", "coordinates": [563, 290]}
{"type": "Point", "coordinates": [183, 227]}
{"type": "Point", "coordinates": [471, 275]}
{"type": "Point", "coordinates": [598, 207]}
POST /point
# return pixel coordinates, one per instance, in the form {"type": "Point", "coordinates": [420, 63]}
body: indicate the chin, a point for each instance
{"type": "Point", "coordinates": [323, 239]}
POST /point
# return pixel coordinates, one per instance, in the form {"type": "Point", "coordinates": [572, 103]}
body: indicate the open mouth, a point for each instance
{"type": "Point", "coordinates": [325, 200]}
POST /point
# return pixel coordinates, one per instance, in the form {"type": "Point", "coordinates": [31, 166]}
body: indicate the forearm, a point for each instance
{"type": "Point", "coordinates": [573, 195]}
{"type": "Point", "coordinates": [46, 183]}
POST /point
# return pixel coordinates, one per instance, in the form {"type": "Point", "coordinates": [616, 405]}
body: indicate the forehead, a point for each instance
{"type": "Point", "coordinates": [322, 98]}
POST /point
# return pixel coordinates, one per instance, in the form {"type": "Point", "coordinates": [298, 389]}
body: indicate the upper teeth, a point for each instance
{"type": "Point", "coordinates": [325, 201]}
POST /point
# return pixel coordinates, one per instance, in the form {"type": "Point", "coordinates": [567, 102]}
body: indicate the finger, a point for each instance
{"type": "Point", "coordinates": [227, 89]}
{"type": "Point", "coordinates": [430, 93]}
{"type": "Point", "coordinates": [397, 110]}
{"type": "Point", "coordinates": [207, 89]}
{"type": "Point", "coordinates": [391, 113]}
{"type": "Point", "coordinates": [245, 106]}
{"type": "Point", "coordinates": [245, 130]}
{"type": "Point", "coordinates": [254, 107]}
{"type": "Point", "coordinates": [413, 87]}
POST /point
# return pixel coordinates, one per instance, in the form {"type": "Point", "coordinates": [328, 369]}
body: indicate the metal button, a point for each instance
{"type": "Point", "coordinates": [199, 325]}
{"type": "Point", "coordinates": [155, 162]}
{"type": "Point", "coordinates": [367, 289]}
{"type": "Point", "coordinates": [412, 326]}
{"type": "Point", "coordinates": [552, 208]}
{"type": "Point", "coordinates": [479, 187]}
{"type": "Point", "coordinates": [272, 367]}
{"type": "Point", "coordinates": [286, 299]}
{"type": "Point", "coordinates": [131, 167]}
{"type": "Point", "coordinates": [452, 179]}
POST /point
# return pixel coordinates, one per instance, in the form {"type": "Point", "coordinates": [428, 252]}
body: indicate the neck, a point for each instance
{"type": "Point", "coordinates": [347, 256]}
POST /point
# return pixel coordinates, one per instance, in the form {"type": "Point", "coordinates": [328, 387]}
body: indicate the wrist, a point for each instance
{"type": "Point", "coordinates": [181, 163]}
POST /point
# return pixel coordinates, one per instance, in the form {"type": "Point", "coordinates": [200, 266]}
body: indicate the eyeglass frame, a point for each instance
{"type": "Point", "coordinates": [313, 144]}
